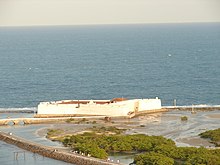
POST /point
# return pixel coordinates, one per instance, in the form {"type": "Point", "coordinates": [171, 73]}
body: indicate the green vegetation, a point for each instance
{"type": "Point", "coordinates": [70, 120]}
{"type": "Point", "coordinates": [107, 130]}
{"type": "Point", "coordinates": [184, 118]}
{"type": "Point", "coordinates": [150, 150]}
{"type": "Point", "coordinates": [169, 155]}
{"type": "Point", "coordinates": [83, 120]}
{"type": "Point", "coordinates": [153, 158]}
{"type": "Point", "coordinates": [94, 122]}
{"type": "Point", "coordinates": [213, 135]}
{"type": "Point", "coordinates": [91, 143]}
{"type": "Point", "coordinates": [53, 132]}
{"type": "Point", "coordinates": [77, 121]}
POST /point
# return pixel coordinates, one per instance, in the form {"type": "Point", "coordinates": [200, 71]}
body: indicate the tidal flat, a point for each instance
{"type": "Point", "coordinates": [169, 125]}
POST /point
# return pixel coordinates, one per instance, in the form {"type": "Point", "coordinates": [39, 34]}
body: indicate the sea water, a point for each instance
{"type": "Point", "coordinates": [169, 61]}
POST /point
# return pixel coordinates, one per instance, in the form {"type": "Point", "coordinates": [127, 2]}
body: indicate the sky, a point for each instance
{"type": "Point", "coordinates": [81, 12]}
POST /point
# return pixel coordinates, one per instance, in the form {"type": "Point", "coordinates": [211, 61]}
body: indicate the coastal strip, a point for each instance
{"type": "Point", "coordinates": [51, 152]}
{"type": "Point", "coordinates": [17, 121]}
{"type": "Point", "coordinates": [193, 108]}
{"type": "Point", "coordinates": [17, 111]}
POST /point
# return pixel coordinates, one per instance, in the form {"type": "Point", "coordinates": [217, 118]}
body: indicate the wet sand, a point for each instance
{"type": "Point", "coordinates": [196, 141]}
{"type": "Point", "coordinates": [166, 124]}
{"type": "Point", "coordinates": [216, 116]}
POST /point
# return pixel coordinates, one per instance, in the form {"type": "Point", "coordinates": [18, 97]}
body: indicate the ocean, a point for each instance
{"type": "Point", "coordinates": [169, 61]}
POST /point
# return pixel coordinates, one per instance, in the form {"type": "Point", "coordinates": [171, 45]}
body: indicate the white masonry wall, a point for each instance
{"type": "Point", "coordinates": [112, 109]}
{"type": "Point", "coordinates": [122, 108]}
{"type": "Point", "coordinates": [149, 104]}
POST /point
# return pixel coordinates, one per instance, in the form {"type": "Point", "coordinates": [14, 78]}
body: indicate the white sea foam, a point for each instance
{"type": "Point", "coordinates": [19, 109]}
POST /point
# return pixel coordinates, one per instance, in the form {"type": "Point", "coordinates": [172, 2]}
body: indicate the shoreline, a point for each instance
{"type": "Point", "coordinates": [51, 152]}
{"type": "Point", "coordinates": [132, 127]}
{"type": "Point", "coordinates": [145, 124]}
{"type": "Point", "coordinates": [150, 124]}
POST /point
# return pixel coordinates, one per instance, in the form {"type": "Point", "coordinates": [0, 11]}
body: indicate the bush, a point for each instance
{"type": "Point", "coordinates": [214, 135]}
{"type": "Point", "coordinates": [69, 120]}
{"type": "Point", "coordinates": [53, 132]}
{"type": "Point", "coordinates": [92, 149]}
{"type": "Point", "coordinates": [158, 150]}
{"type": "Point", "coordinates": [206, 159]}
{"type": "Point", "coordinates": [152, 158]}
{"type": "Point", "coordinates": [114, 143]}
{"type": "Point", "coordinates": [184, 118]}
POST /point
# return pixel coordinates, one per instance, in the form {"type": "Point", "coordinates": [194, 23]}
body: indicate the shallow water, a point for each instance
{"type": "Point", "coordinates": [7, 157]}
{"type": "Point", "coordinates": [166, 124]}
{"type": "Point", "coordinates": [27, 132]}
{"type": "Point", "coordinates": [170, 126]}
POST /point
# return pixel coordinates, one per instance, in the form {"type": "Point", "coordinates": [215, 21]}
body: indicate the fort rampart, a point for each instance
{"type": "Point", "coordinates": [93, 107]}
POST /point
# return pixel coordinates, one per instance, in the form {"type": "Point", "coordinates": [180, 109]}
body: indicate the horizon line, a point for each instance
{"type": "Point", "coordinates": [106, 24]}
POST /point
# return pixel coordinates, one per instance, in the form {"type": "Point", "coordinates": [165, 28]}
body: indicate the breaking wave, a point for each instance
{"type": "Point", "coordinates": [19, 109]}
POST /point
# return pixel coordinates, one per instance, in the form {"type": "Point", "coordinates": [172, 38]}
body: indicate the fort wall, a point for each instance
{"type": "Point", "coordinates": [113, 109]}
{"type": "Point", "coordinates": [121, 108]}
{"type": "Point", "coordinates": [149, 104]}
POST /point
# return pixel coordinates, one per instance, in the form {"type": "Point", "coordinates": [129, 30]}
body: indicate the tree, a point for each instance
{"type": "Point", "coordinates": [153, 158]}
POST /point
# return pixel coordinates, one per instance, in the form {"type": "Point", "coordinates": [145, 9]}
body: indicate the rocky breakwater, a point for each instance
{"type": "Point", "coordinates": [51, 152]}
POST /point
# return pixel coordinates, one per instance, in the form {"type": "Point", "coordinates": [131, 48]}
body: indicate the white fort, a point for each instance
{"type": "Point", "coordinates": [118, 107]}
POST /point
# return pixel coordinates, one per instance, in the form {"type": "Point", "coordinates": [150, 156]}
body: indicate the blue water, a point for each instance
{"type": "Point", "coordinates": [171, 61]}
